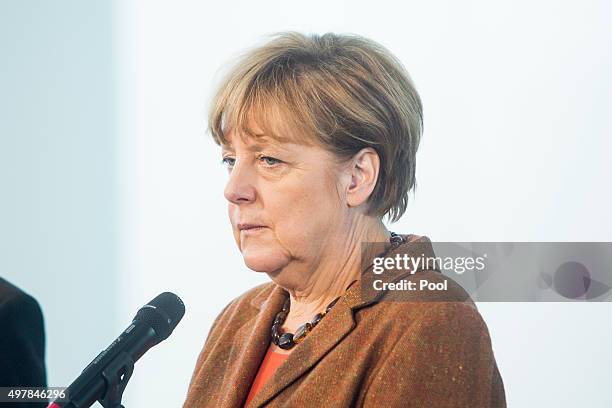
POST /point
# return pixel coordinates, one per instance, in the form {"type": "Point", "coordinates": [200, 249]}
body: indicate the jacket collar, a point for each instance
{"type": "Point", "coordinates": [336, 325]}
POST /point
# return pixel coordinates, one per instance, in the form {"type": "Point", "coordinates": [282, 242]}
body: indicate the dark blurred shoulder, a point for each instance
{"type": "Point", "coordinates": [22, 344]}
{"type": "Point", "coordinates": [16, 303]}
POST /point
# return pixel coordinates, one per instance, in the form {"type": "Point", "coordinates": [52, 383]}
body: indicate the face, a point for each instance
{"type": "Point", "coordinates": [285, 201]}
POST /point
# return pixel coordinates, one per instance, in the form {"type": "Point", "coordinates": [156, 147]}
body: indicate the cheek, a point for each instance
{"type": "Point", "coordinates": [307, 204]}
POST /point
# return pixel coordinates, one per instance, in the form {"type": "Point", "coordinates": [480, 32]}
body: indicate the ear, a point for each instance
{"type": "Point", "coordinates": [364, 169]}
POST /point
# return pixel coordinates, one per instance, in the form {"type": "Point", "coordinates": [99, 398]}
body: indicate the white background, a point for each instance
{"type": "Point", "coordinates": [516, 100]}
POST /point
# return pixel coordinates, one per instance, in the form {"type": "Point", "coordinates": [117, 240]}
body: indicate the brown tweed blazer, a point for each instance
{"type": "Point", "coordinates": [374, 349]}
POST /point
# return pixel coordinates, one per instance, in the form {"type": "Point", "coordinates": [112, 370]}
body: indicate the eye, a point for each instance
{"type": "Point", "coordinates": [270, 161]}
{"type": "Point", "coordinates": [228, 161]}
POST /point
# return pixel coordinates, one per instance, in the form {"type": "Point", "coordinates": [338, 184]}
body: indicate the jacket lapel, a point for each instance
{"type": "Point", "coordinates": [249, 345]}
{"type": "Point", "coordinates": [329, 332]}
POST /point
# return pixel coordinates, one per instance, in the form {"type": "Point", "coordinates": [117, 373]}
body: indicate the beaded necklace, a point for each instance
{"type": "Point", "coordinates": [287, 340]}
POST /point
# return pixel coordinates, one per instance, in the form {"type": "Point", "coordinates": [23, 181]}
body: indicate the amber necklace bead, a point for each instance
{"type": "Point", "coordinates": [287, 340]}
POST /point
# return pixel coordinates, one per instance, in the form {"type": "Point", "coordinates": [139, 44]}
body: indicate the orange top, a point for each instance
{"type": "Point", "coordinates": [270, 363]}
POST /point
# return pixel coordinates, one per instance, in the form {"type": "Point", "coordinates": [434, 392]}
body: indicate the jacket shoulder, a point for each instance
{"type": "Point", "coordinates": [434, 306]}
{"type": "Point", "coordinates": [252, 297]}
{"type": "Point", "coordinates": [16, 303]}
{"type": "Point", "coordinates": [445, 345]}
{"type": "Point", "coordinates": [9, 292]}
{"type": "Point", "coordinates": [241, 307]}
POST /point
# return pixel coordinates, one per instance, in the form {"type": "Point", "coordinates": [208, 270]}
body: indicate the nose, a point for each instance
{"type": "Point", "coordinates": [240, 188]}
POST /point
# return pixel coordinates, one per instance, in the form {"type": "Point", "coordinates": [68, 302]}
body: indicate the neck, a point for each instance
{"type": "Point", "coordinates": [333, 274]}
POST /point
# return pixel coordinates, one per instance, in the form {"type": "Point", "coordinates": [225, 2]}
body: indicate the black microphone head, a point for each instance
{"type": "Point", "coordinates": [163, 314]}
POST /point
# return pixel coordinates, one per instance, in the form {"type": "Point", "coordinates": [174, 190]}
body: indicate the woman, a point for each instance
{"type": "Point", "coordinates": [319, 134]}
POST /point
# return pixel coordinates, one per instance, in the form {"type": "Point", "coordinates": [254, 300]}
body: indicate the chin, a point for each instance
{"type": "Point", "coordinates": [262, 259]}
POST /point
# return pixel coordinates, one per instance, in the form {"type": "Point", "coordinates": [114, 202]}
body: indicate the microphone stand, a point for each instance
{"type": "Point", "coordinates": [116, 375]}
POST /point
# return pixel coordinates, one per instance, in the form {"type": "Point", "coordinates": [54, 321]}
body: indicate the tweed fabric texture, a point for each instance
{"type": "Point", "coordinates": [374, 349]}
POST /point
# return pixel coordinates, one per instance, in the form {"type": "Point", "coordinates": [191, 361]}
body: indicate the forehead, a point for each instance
{"type": "Point", "coordinates": [253, 142]}
{"type": "Point", "coordinates": [258, 134]}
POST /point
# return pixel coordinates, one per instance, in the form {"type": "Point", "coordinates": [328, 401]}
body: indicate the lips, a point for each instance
{"type": "Point", "coordinates": [243, 227]}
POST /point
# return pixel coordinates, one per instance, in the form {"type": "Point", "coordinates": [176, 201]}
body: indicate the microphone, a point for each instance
{"type": "Point", "coordinates": [105, 378]}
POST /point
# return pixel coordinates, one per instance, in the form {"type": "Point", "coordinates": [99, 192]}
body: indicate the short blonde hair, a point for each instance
{"type": "Point", "coordinates": [344, 92]}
